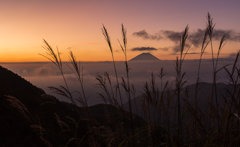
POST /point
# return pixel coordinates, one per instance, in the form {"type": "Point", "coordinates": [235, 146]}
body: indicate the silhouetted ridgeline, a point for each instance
{"type": "Point", "coordinates": [29, 117]}
{"type": "Point", "coordinates": [14, 85]}
{"type": "Point", "coordinates": [169, 97]}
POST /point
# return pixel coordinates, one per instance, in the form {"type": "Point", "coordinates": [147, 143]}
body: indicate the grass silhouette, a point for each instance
{"type": "Point", "coordinates": [171, 119]}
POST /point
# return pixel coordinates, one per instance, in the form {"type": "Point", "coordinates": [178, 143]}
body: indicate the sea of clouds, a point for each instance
{"type": "Point", "coordinates": [46, 74]}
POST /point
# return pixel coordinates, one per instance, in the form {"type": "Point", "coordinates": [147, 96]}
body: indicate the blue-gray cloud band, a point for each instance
{"type": "Point", "coordinates": [145, 35]}
{"type": "Point", "coordinates": [194, 38]}
{"type": "Point", "coordinates": [143, 49]}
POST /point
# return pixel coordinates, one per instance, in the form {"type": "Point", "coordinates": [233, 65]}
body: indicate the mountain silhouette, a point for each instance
{"type": "Point", "coordinates": [169, 95]}
{"type": "Point", "coordinates": [144, 57]}
{"type": "Point", "coordinates": [30, 117]}
{"type": "Point", "coordinates": [14, 85]}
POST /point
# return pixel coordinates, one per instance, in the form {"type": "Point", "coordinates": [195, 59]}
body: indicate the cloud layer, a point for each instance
{"type": "Point", "coordinates": [145, 35]}
{"type": "Point", "coordinates": [44, 75]}
{"type": "Point", "coordinates": [144, 49]}
{"type": "Point", "coordinates": [194, 38]}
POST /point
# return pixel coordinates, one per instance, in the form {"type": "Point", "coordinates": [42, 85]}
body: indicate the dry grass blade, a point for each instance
{"type": "Point", "coordinates": [235, 62]}
{"type": "Point", "coordinates": [47, 143]}
{"type": "Point", "coordinates": [124, 49]}
{"type": "Point", "coordinates": [237, 116]}
{"type": "Point", "coordinates": [147, 93]}
{"type": "Point", "coordinates": [121, 47]}
{"type": "Point", "coordinates": [210, 26]}
{"type": "Point", "coordinates": [204, 46]}
{"type": "Point", "coordinates": [76, 67]}
{"type": "Point", "coordinates": [108, 97]}
{"type": "Point", "coordinates": [37, 128]}
{"type": "Point", "coordinates": [72, 120]}
{"type": "Point", "coordinates": [61, 123]}
{"type": "Point", "coordinates": [205, 42]}
{"type": "Point", "coordinates": [61, 91]}
{"type": "Point", "coordinates": [55, 58]}
{"type": "Point", "coordinates": [76, 70]}
{"type": "Point", "coordinates": [17, 104]}
{"type": "Point", "coordinates": [183, 39]}
{"type": "Point", "coordinates": [124, 85]}
{"type": "Point", "coordinates": [48, 97]}
{"type": "Point", "coordinates": [107, 77]}
{"type": "Point", "coordinates": [124, 37]}
{"type": "Point", "coordinates": [107, 38]}
{"type": "Point", "coordinates": [223, 39]}
{"type": "Point", "coordinates": [179, 83]}
{"type": "Point", "coordinates": [161, 74]}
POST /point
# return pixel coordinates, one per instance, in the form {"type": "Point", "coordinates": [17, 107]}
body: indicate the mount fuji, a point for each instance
{"type": "Point", "coordinates": [144, 56]}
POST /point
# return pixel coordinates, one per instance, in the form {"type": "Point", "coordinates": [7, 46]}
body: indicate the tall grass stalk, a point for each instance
{"type": "Point", "coordinates": [214, 63]}
{"type": "Point", "coordinates": [211, 26]}
{"type": "Point", "coordinates": [186, 124]}
{"type": "Point", "coordinates": [76, 68]}
{"type": "Point", "coordinates": [204, 46]}
{"type": "Point", "coordinates": [161, 74]}
{"type": "Point", "coordinates": [107, 38]}
{"type": "Point", "coordinates": [125, 85]}
{"type": "Point", "coordinates": [128, 88]}
{"type": "Point", "coordinates": [161, 104]}
{"type": "Point", "coordinates": [233, 81]}
{"type": "Point", "coordinates": [55, 58]}
{"type": "Point", "coordinates": [179, 83]}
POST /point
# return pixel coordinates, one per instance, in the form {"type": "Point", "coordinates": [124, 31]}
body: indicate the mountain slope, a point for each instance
{"type": "Point", "coordinates": [144, 57]}
{"type": "Point", "coordinates": [203, 96]}
{"type": "Point", "coordinates": [29, 117]}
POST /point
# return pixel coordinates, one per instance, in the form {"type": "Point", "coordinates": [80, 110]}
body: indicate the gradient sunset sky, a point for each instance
{"type": "Point", "coordinates": [152, 26]}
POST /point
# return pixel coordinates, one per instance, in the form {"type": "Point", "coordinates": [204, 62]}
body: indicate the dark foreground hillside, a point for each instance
{"type": "Point", "coordinates": [29, 117]}
{"type": "Point", "coordinates": [203, 96]}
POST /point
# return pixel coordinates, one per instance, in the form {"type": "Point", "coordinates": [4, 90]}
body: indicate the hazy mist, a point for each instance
{"type": "Point", "coordinates": [44, 75]}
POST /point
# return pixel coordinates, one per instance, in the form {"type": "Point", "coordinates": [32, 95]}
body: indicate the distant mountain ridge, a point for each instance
{"type": "Point", "coordinates": [203, 97]}
{"type": "Point", "coordinates": [144, 57]}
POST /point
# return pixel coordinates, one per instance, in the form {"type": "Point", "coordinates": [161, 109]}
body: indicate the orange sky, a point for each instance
{"type": "Point", "coordinates": [76, 25]}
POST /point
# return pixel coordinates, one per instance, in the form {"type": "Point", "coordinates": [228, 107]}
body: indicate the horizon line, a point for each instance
{"type": "Point", "coordinates": [105, 61]}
